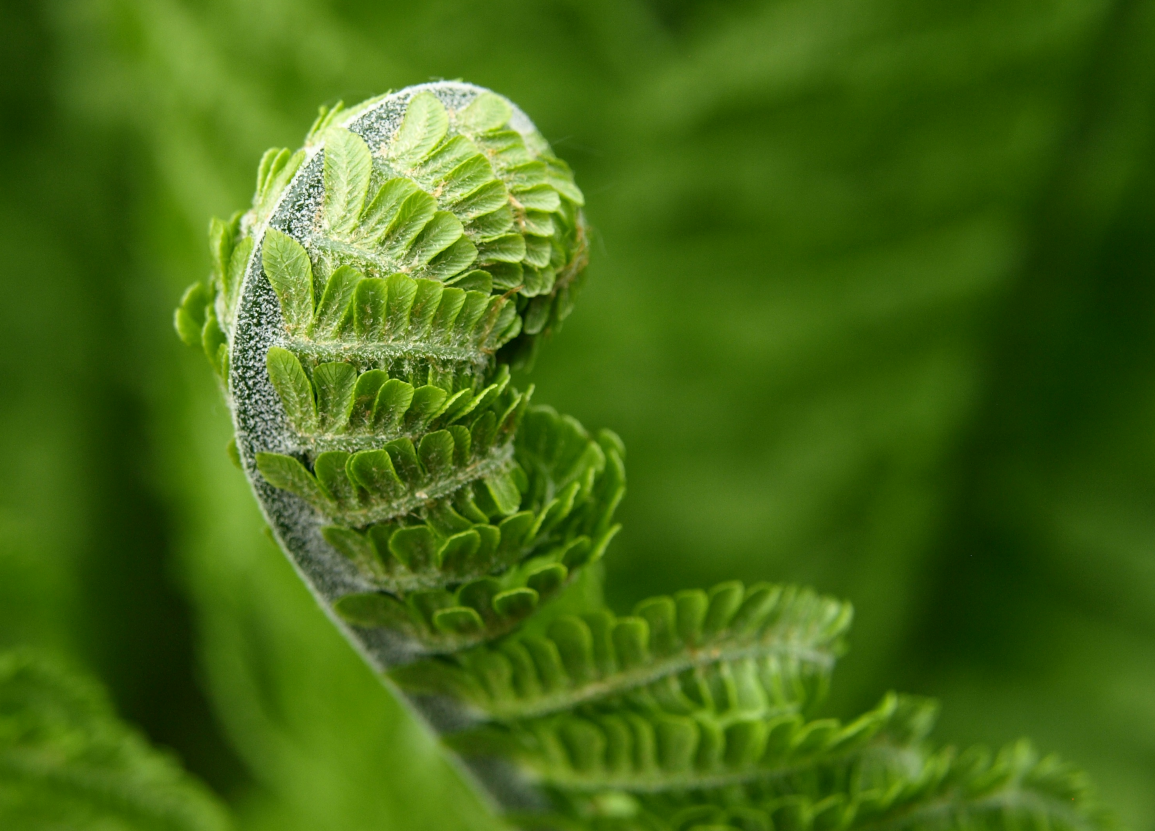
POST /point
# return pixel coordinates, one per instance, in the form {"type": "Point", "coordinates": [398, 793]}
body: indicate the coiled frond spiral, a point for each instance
{"type": "Point", "coordinates": [363, 317]}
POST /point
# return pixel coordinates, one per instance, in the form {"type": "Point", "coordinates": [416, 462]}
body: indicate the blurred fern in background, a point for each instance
{"type": "Point", "coordinates": [66, 762]}
{"type": "Point", "coordinates": [870, 303]}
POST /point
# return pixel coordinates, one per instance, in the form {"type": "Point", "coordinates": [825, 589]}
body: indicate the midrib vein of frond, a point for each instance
{"type": "Point", "coordinates": [384, 353]}
{"type": "Point", "coordinates": [697, 781]}
{"type": "Point", "coordinates": [383, 265]}
{"type": "Point", "coordinates": [954, 802]}
{"type": "Point", "coordinates": [499, 460]}
{"type": "Point", "coordinates": [625, 682]}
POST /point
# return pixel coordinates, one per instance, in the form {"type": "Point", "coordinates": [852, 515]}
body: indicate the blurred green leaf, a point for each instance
{"type": "Point", "coordinates": [66, 761]}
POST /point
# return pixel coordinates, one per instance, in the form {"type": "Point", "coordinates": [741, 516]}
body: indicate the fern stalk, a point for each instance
{"type": "Point", "coordinates": [363, 317]}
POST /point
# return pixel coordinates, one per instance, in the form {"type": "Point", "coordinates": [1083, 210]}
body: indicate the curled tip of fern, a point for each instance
{"type": "Point", "coordinates": [363, 316]}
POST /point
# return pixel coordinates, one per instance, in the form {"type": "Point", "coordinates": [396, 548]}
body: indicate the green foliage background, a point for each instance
{"type": "Point", "coordinates": [871, 303]}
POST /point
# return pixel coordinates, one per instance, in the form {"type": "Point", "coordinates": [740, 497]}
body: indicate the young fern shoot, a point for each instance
{"type": "Point", "coordinates": [363, 317]}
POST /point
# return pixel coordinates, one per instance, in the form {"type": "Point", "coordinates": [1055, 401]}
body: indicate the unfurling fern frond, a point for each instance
{"type": "Point", "coordinates": [363, 317]}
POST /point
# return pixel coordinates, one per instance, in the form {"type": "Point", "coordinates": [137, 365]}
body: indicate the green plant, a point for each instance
{"type": "Point", "coordinates": [363, 318]}
{"type": "Point", "coordinates": [67, 762]}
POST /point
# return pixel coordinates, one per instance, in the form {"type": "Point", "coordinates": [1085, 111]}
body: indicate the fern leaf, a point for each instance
{"type": "Point", "coordinates": [67, 762]}
{"type": "Point", "coordinates": [627, 750]}
{"type": "Point", "coordinates": [766, 649]}
{"type": "Point", "coordinates": [943, 791]}
{"type": "Point", "coordinates": [436, 513]}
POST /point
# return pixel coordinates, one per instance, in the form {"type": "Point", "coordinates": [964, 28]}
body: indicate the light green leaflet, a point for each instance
{"type": "Point", "coordinates": [421, 130]}
{"type": "Point", "coordinates": [291, 274]}
{"type": "Point", "coordinates": [348, 167]}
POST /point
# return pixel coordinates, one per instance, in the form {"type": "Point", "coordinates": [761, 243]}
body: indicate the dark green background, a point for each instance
{"type": "Point", "coordinates": [871, 302]}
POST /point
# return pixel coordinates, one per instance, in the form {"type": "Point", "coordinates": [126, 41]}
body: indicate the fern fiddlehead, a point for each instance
{"type": "Point", "coordinates": [363, 317]}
